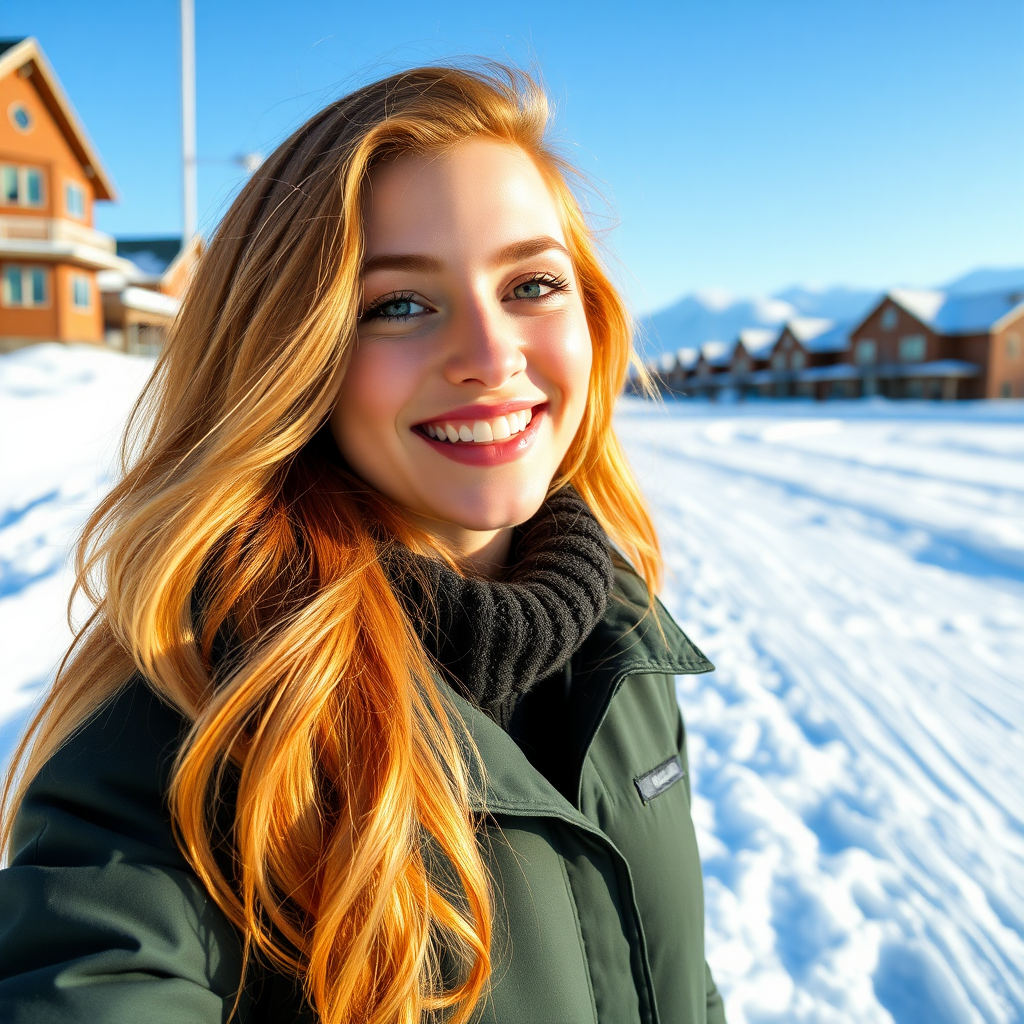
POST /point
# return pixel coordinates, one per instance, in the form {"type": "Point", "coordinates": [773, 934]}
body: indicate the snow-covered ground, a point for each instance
{"type": "Point", "coordinates": [855, 571]}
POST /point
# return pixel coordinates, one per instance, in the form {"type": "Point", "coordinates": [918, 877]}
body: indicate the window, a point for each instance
{"type": "Point", "coordinates": [81, 293]}
{"type": "Point", "coordinates": [21, 186]}
{"type": "Point", "coordinates": [10, 184]}
{"type": "Point", "coordinates": [1006, 390]}
{"type": "Point", "coordinates": [20, 117]}
{"type": "Point", "coordinates": [779, 361]}
{"type": "Point", "coordinates": [24, 287]}
{"type": "Point", "coordinates": [866, 351]}
{"type": "Point", "coordinates": [912, 348]}
{"type": "Point", "coordinates": [74, 200]}
{"type": "Point", "coordinates": [1012, 346]}
{"type": "Point", "coordinates": [890, 318]}
{"type": "Point", "coordinates": [798, 361]}
{"type": "Point", "coordinates": [33, 187]}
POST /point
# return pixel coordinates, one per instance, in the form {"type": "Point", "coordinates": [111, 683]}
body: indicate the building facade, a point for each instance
{"type": "Point", "coordinates": [912, 344]}
{"type": "Point", "coordinates": [60, 278]}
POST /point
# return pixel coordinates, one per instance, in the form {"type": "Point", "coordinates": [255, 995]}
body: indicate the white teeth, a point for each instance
{"type": "Point", "coordinates": [497, 429]}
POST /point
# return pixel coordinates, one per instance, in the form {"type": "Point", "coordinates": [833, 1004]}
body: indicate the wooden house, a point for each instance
{"type": "Point", "coordinates": [711, 368]}
{"type": "Point", "coordinates": [141, 300]}
{"type": "Point", "coordinates": [748, 366]}
{"type": "Point", "coordinates": [928, 344]}
{"type": "Point", "coordinates": [50, 180]}
{"type": "Point", "coordinates": [674, 370]}
{"type": "Point", "coordinates": [60, 278]}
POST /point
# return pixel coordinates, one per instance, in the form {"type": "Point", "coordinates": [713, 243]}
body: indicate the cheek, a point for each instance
{"type": "Point", "coordinates": [565, 356]}
{"type": "Point", "coordinates": [378, 382]}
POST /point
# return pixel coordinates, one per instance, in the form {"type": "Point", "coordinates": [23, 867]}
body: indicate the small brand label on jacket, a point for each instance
{"type": "Point", "coordinates": [657, 780]}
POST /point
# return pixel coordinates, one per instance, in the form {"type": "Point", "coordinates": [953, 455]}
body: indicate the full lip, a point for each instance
{"type": "Point", "coordinates": [487, 453]}
{"type": "Point", "coordinates": [484, 412]}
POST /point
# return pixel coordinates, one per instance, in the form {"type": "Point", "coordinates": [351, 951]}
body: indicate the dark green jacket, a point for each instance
{"type": "Point", "coordinates": [599, 900]}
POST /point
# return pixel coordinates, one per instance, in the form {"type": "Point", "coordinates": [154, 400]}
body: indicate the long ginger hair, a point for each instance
{"type": "Point", "coordinates": [236, 567]}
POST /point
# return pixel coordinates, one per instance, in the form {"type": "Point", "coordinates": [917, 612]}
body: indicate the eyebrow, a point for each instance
{"type": "Point", "coordinates": [403, 261]}
{"type": "Point", "coordinates": [524, 250]}
{"type": "Point", "coordinates": [423, 264]}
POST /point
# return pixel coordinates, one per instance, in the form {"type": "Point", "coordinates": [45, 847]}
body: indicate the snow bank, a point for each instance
{"type": "Point", "coordinates": [855, 571]}
{"type": "Point", "coordinates": [62, 411]}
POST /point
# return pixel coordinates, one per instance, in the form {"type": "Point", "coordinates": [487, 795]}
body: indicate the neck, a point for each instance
{"type": "Point", "coordinates": [487, 551]}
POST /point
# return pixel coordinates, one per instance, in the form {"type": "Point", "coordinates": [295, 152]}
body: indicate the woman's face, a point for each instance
{"type": "Point", "coordinates": [469, 377]}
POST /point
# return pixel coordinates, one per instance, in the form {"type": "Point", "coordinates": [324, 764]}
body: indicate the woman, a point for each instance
{"type": "Point", "coordinates": [371, 724]}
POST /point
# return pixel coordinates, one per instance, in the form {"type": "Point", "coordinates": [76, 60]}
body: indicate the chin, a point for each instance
{"type": "Point", "coordinates": [493, 509]}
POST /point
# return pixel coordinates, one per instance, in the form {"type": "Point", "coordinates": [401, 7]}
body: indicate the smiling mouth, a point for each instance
{"type": "Point", "coordinates": [491, 431]}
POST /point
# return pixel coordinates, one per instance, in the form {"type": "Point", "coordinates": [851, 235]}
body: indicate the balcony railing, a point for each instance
{"type": "Point", "coordinates": [53, 229]}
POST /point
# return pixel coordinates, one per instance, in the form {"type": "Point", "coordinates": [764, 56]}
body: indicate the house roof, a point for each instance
{"type": "Point", "coordinates": [151, 255]}
{"type": "Point", "coordinates": [958, 314]}
{"type": "Point", "coordinates": [758, 341]}
{"type": "Point", "coordinates": [835, 339]}
{"type": "Point", "coordinates": [687, 358]}
{"type": "Point", "coordinates": [16, 54]}
{"type": "Point", "coordinates": [717, 353]}
{"type": "Point", "coordinates": [817, 334]}
{"type": "Point", "coordinates": [807, 328]}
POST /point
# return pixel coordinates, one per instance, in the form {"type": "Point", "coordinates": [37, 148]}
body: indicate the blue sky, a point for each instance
{"type": "Point", "coordinates": [744, 144]}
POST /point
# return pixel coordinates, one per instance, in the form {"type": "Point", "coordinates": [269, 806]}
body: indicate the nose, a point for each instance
{"type": "Point", "coordinates": [485, 347]}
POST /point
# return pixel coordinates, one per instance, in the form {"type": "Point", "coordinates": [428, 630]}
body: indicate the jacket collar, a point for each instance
{"type": "Point", "coordinates": [629, 640]}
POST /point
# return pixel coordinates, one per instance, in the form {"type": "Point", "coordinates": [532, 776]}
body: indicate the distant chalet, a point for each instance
{"type": "Point", "coordinates": [61, 279]}
{"type": "Point", "coordinates": [912, 344]}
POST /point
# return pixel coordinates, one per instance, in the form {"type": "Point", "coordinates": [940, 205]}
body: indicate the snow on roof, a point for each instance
{"type": "Point", "coordinates": [835, 339]}
{"type": "Point", "coordinates": [807, 328]}
{"type": "Point", "coordinates": [758, 340]}
{"type": "Point", "coordinates": [957, 314]}
{"type": "Point", "coordinates": [924, 304]}
{"type": "Point", "coordinates": [965, 314]}
{"type": "Point", "coordinates": [687, 357]}
{"type": "Point", "coordinates": [717, 353]}
{"type": "Point", "coordinates": [149, 301]}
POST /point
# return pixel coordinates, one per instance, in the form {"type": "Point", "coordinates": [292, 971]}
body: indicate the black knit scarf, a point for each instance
{"type": "Point", "coordinates": [497, 638]}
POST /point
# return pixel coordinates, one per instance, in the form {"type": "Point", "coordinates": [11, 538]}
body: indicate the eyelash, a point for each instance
{"type": "Point", "coordinates": [557, 283]}
{"type": "Point", "coordinates": [370, 313]}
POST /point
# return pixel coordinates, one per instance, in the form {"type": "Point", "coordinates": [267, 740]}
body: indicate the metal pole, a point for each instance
{"type": "Point", "coordinates": [190, 198]}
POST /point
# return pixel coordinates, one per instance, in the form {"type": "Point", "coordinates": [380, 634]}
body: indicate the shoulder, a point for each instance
{"type": "Point", "coordinates": [642, 632]}
{"type": "Point", "coordinates": [109, 777]}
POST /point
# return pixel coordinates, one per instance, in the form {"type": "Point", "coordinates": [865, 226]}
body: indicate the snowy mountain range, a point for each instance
{"type": "Point", "coordinates": [716, 314]}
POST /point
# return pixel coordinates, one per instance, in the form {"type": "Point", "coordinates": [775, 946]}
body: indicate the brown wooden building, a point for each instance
{"type": "Point", "coordinates": [912, 344]}
{"type": "Point", "coordinates": [927, 344]}
{"type": "Point", "coordinates": [60, 278]}
{"type": "Point", "coordinates": [50, 179]}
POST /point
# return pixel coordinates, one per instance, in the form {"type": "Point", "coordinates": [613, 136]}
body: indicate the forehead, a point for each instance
{"type": "Point", "coordinates": [480, 194]}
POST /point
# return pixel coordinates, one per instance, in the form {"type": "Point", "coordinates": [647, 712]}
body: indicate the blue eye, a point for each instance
{"type": "Point", "coordinates": [397, 307]}
{"type": "Point", "coordinates": [541, 287]}
{"type": "Point", "coordinates": [528, 290]}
